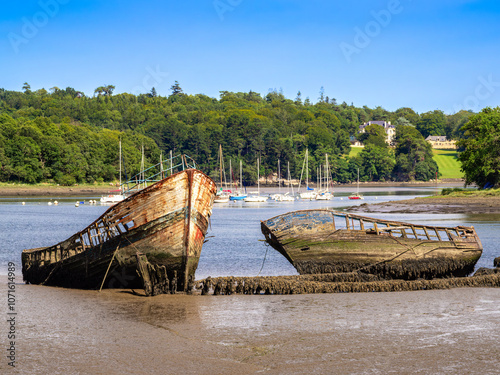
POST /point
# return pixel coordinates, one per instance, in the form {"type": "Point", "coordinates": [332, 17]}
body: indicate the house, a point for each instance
{"type": "Point", "coordinates": [390, 130]}
{"type": "Point", "coordinates": [440, 141]}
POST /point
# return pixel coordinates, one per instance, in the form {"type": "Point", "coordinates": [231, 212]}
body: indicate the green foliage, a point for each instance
{"type": "Point", "coordinates": [480, 147]}
{"type": "Point", "coordinates": [414, 158]}
{"type": "Point", "coordinates": [47, 135]}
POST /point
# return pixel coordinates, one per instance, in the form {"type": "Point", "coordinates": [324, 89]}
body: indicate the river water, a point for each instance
{"type": "Point", "coordinates": [235, 243]}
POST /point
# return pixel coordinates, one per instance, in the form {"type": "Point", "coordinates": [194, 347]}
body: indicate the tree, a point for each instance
{"type": "Point", "coordinates": [432, 123]}
{"type": "Point", "coordinates": [374, 134]}
{"type": "Point", "coordinates": [176, 88]}
{"type": "Point", "coordinates": [414, 158]}
{"type": "Point", "coordinates": [480, 149]}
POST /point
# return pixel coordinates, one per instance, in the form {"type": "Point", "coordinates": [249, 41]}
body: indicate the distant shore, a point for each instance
{"type": "Point", "coordinates": [53, 191]}
{"type": "Point", "coordinates": [435, 205]}
{"type": "Point", "coordinates": [89, 190]}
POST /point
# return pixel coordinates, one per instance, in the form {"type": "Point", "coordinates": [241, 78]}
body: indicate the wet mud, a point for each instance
{"type": "Point", "coordinates": [434, 205]}
{"type": "Point", "coordinates": [333, 283]}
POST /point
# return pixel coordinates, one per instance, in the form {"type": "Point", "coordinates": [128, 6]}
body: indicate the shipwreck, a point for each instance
{"type": "Point", "coordinates": [152, 239]}
{"type": "Point", "coordinates": [326, 241]}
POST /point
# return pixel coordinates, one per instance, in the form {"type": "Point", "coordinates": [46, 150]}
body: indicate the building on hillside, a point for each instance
{"type": "Point", "coordinates": [355, 142]}
{"type": "Point", "coordinates": [440, 141]}
{"type": "Point", "coordinates": [390, 130]}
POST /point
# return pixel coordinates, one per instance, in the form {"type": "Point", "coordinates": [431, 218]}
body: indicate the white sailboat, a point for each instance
{"type": "Point", "coordinates": [325, 194]}
{"type": "Point", "coordinates": [256, 198]}
{"type": "Point", "coordinates": [309, 193]}
{"type": "Point", "coordinates": [115, 198]}
{"type": "Point", "coordinates": [239, 195]}
{"type": "Point", "coordinates": [222, 196]}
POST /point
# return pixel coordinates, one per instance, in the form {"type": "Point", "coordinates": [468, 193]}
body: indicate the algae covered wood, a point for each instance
{"type": "Point", "coordinates": [166, 222]}
{"type": "Point", "coordinates": [326, 241]}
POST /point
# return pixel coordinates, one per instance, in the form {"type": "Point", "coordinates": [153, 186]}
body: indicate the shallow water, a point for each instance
{"type": "Point", "coordinates": [63, 331]}
{"type": "Point", "coordinates": [235, 243]}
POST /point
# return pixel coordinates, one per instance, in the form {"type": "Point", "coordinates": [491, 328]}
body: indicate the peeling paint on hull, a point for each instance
{"type": "Point", "coordinates": [325, 241]}
{"type": "Point", "coordinates": [166, 221]}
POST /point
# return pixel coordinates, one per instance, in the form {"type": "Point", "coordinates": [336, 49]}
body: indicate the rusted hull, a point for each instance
{"type": "Point", "coordinates": [166, 222]}
{"type": "Point", "coordinates": [324, 241]}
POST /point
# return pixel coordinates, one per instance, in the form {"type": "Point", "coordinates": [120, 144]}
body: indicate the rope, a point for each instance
{"type": "Point", "coordinates": [109, 265]}
{"type": "Point", "coordinates": [264, 260]}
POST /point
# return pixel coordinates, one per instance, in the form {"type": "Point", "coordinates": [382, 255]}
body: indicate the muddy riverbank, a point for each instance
{"type": "Point", "coordinates": [435, 205]}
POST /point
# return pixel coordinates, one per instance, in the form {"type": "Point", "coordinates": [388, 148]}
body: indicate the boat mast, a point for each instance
{"type": "Point", "coordinates": [241, 177]}
{"type": "Point", "coordinates": [220, 165]}
{"type": "Point", "coordinates": [120, 155]}
{"type": "Point", "coordinates": [357, 189]}
{"type": "Point", "coordinates": [258, 175]}
{"type": "Point", "coordinates": [279, 177]}
{"type": "Point", "coordinates": [307, 169]}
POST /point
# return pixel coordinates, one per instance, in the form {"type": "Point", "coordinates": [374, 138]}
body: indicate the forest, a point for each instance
{"type": "Point", "coordinates": [67, 137]}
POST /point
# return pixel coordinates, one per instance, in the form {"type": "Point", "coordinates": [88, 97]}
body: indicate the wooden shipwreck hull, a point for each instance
{"type": "Point", "coordinates": [166, 222]}
{"type": "Point", "coordinates": [325, 241]}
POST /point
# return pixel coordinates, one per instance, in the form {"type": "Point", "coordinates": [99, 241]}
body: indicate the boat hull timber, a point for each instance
{"type": "Point", "coordinates": [165, 222]}
{"type": "Point", "coordinates": [326, 241]}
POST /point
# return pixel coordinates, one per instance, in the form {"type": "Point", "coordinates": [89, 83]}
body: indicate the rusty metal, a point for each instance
{"type": "Point", "coordinates": [358, 243]}
{"type": "Point", "coordinates": [166, 222]}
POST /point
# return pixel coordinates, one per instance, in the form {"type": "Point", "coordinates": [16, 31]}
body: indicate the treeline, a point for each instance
{"type": "Point", "coordinates": [69, 137]}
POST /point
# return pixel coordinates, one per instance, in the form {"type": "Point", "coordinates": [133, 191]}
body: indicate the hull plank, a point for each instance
{"type": "Point", "coordinates": [325, 241]}
{"type": "Point", "coordinates": [166, 222]}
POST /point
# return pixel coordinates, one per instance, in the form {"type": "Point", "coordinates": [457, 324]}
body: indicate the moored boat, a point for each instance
{"type": "Point", "coordinates": [326, 241]}
{"type": "Point", "coordinates": [165, 222]}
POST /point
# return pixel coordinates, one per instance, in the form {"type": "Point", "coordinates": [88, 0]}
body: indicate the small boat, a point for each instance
{"type": "Point", "coordinates": [356, 195]}
{"type": "Point", "coordinates": [164, 223]}
{"type": "Point", "coordinates": [237, 195]}
{"type": "Point", "coordinates": [223, 194]}
{"type": "Point", "coordinates": [325, 194]}
{"type": "Point", "coordinates": [118, 195]}
{"type": "Point", "coordinates": [256, 197]}
{"type": "Point", "coordinates": [326, 241]}
{"type": "Point", "coordinates": [309, 193]}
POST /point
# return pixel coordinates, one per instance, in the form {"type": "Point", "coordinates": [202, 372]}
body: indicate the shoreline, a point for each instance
{"type": "Point", "coordinates": [69, 191]}
{"type": "Point", "coordinates": [434, 205]}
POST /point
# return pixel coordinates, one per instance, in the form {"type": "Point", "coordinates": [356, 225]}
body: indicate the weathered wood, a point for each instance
{"type": "Point", "coordinates": [151, 221]}
{"type": "Point", "coordinates": [380, 246]}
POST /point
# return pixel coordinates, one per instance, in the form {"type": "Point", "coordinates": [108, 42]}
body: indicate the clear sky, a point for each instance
{"type": "Point", "coordinates": [423, 54]}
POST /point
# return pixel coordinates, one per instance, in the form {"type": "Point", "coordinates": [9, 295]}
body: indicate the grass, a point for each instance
{"type": "Point", "coordinates": [456, 192]}
{"type": "Point", "coordinates": [448, 164]}
{"type": "Point", "coordinates": [355, 151]}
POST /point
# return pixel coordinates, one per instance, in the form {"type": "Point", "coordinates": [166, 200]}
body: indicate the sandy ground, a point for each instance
{"type": "Point", "coordinates": [62, 331]}
{"type": "Point", "coordinates": [439, 205]}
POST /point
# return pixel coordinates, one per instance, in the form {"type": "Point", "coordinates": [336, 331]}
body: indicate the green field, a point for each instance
{"type": "Point", "coordinates": [447, 161]}
{"type": "Point", "coordinates": [355, 151]}
{"type": "Point", "coordinates": [448, 164]}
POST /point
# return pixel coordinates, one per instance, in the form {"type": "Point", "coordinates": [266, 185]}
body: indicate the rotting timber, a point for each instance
{"type": "Point", "coordinates": [326, 241]}
{"type": "Point", "coordinates": [161, 227]}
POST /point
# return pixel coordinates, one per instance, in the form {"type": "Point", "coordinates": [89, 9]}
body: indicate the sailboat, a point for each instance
{"type": "Point", "coordinates": [286, 197]}
{"type": "Point", "coordinates": [115, 198]}
{"type": "Point", "coordinates": [239, 195]}
{"type": "Point", "coordinates": [325, 194]}
{"type": "Point", "coordinates": [258, 197]}
{"type": "Point", "coordinates": [356, 195]}
{"type": "Point", "coordinates": [309, 193]}
{"type": "Point", "coordinates": [222, 195]}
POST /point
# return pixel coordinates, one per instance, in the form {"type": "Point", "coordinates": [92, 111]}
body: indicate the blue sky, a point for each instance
{"type": "Point", "coordinates": [423, 54]}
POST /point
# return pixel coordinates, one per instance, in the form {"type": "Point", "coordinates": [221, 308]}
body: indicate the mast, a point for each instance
{"type": "Point", "coordinates": [120, 155]}
{"type": "Point", "coordinates": [279, 177]}
{"type": "Point", "coordinates": [220, 164]}
{"type": "Point", "coordinates": [258, 175]}
{"type": "Point", "coordinates": [307, 169]}
{"type": "Point", "coordinates": [241, 177]}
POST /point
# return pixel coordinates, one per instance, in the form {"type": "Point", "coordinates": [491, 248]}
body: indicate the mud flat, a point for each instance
{"type": "Point", "coordinates": [114, 332]}
{"type": "Point", "coordinates": [435, 205]}
{"type": "Point", "coordinates": [53, 191]}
